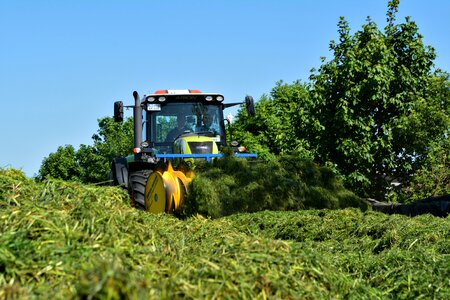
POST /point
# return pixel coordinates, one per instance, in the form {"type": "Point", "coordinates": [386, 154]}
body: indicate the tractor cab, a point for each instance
{"type": "Point", "coordinates": [184, 121]}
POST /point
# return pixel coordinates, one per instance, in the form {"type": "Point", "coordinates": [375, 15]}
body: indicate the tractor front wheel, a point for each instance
{"type": "Point", "coordinates": [137, 181]}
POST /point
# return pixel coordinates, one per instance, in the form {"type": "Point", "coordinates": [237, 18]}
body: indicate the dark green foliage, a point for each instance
{"type": "Point", "coordinates": [432, 179]}
{"type": "Point", "coordinates": [91, 164]}
{"type": "Point", "coordinates": [375, 112]}
{"type": "Point", "coordinates": [64, 240]}
{"type": "Point", "coordinates": [433, 176]}
{"type": "Point", "coordinates": [280, 124]}
{"type": "Point", "coordinates": [62, 164]}
{"type": "Point", "coordinates": [372, 107]}
{"type": "Point", "coordinates": [288, 183]}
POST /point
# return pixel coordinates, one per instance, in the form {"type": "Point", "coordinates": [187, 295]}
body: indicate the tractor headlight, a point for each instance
{"type": "Point", "coordinates": [219, 98]}
{"type": "Point", "coordinates": [208, 98]}
{"type": "Point", "coordinates": [151, 99]}
{"type": "Point", "coordinates": [162, 99]}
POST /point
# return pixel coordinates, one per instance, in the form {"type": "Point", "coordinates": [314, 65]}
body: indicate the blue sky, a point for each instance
{"type": "Point", "coordinates": [64, 63]}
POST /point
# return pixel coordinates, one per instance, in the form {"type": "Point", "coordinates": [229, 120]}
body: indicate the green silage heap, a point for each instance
{"type": "Point", "coordinates": [288, 183]}
{"type": "Point", "coordinates": [61, 240]}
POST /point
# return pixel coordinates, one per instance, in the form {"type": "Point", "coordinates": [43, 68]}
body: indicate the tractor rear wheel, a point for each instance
{"type": "Point", "coordinates": [137, 181]}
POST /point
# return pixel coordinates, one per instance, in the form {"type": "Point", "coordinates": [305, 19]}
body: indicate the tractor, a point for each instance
{"type": "Point", "coordinates": [180, 128]}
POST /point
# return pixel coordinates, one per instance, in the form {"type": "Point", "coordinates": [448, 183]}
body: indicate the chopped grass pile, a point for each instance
{"type": "Point", "coordinates": [402, 256]}
{"type": "Point", "coordinates": [62, 240]}
{"type": "Point", "coordinates": [234, 185]}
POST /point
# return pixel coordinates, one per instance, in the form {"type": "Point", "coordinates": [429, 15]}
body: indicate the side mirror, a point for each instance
{"type": "Point", "coordinates": [250, 106]}
{"type": "Point", "coordinates": [118, 111]}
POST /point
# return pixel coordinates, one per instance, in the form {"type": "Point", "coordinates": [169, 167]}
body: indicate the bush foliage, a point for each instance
{"type": "Point", "coordinates": [91, 163]}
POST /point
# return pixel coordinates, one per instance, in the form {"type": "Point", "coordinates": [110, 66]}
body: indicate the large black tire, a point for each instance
{"type": "Point", "coordinates": [119, 172]}
{"type": "Point", "coordinates": [137, 181]}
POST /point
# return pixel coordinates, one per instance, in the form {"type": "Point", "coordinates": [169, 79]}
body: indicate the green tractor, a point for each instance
{"type": "Point", "coordinates": [180, 127]}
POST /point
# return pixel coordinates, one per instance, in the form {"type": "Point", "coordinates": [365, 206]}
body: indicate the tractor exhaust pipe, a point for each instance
{"type": "Point", "coordinates": [137, 115]}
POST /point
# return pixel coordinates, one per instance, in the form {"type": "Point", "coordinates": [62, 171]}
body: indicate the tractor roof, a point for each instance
{"type": "Point", "coordinates": [182, 95]}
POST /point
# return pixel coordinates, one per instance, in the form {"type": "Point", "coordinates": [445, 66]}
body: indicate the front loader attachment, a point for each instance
{"type": "Point", "coordinates": [166, 189]}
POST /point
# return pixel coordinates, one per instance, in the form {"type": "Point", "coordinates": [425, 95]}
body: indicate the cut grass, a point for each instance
{"type": "Point", "coordinates": [235, 185]}
{"type": "Point", "coordinates": [65, 240]}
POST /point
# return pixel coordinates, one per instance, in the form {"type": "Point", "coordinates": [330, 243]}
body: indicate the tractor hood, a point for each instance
{"type": "Point", "coordinates": [196, 144]}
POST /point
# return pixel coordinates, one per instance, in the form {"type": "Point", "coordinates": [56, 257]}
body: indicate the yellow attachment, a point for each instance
{"type": "Point", "coordinates": [166, 191]}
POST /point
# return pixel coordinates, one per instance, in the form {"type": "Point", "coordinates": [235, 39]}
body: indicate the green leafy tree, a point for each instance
{"type": "Point", "coordinates": [433, 177]}
{"type": "Point", "coordinates": [373, 103]}
{"type": "Point", "coordinates": [372, 112]}
{"type": "Point", "coordinates": [112, 140]}
{"type": "Point", "coordinates": [281, 122]}
{"type": "Point", "coordinates": [62, 164]}
{"type": "Point", "coordinates": [91, 163]}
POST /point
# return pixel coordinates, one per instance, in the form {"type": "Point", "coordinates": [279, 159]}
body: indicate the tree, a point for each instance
{"type": "Point", "coordinates": [433, 177]}
{"type": "Point", "coordinates": [91, 163]}
{"type": "Point", "coordinates": [372, 111]}
{"type": "Point", "coordinates": [281, 122]}
{"type": "Point", "coordinates": [373, 103]}
{"type": "Point", "coordinates": [62, 164]}
{"type": "Point", "coordinates": [112, 140]}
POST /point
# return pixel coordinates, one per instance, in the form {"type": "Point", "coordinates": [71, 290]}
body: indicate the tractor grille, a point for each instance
{"type": "Point", "coordinates": [200, 147]}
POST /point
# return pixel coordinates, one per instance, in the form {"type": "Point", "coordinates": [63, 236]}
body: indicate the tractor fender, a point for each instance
{"type": "Point", "coordinates": [119, 172]}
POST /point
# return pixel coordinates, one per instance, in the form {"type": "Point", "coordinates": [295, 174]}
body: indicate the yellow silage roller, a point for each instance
{"type": "Point", "coordinates": [166, 189]}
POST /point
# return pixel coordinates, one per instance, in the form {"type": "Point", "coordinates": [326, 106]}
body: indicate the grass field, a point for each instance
{"type": "Point", "coordinates": [61, 240]}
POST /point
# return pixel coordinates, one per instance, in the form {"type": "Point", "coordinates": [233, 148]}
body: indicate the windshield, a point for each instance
{"type": "Point", "coordinates": [175, 119]}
